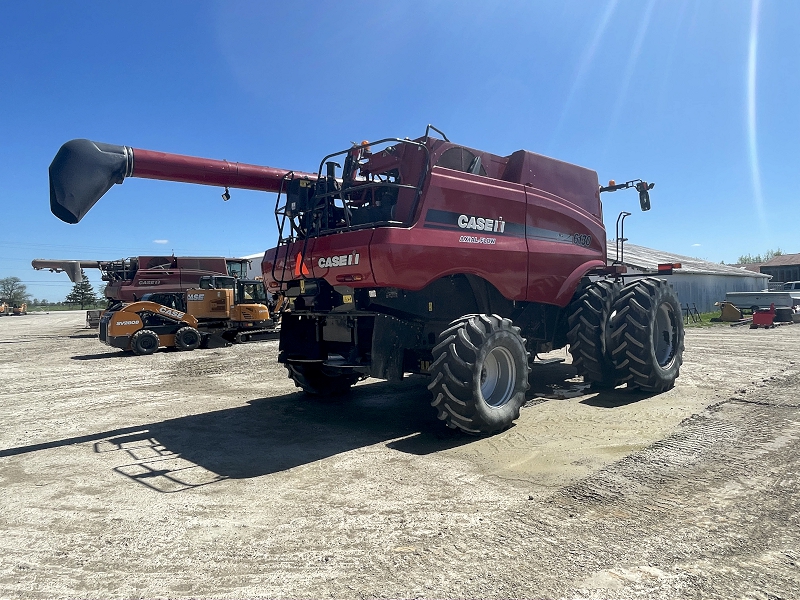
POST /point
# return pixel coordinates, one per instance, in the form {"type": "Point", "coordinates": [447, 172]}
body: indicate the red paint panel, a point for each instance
{"type": "Point", "coordinates": [563, 243]}
{"type": "Point", "coordinates": [415, 257]}
{"type": "Point", "coordinates": [342, 254]}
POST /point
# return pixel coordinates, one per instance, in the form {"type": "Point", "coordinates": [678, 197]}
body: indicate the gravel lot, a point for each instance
{"type": "Point", "coordinates": [206, 473]}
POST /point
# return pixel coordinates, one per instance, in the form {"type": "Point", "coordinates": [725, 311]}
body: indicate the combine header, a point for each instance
{"type": "Point", "coordinates": [423, 256]}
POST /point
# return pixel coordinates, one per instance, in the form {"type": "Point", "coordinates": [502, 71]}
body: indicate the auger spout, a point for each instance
{"type": "Point", "coordinates": [83, 171]}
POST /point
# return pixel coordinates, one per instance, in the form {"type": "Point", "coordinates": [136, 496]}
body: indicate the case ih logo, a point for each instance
{"type": "Point", "coordinates": [453, 221]}
{"type": "Point", "coordinates": [149, 282]}
{"type": "Point", "coordinates": [195, 297]}
{"type": "Point", "coordinates": [481, 224]}
{"type": "Point", "coordinates": [344, 260]}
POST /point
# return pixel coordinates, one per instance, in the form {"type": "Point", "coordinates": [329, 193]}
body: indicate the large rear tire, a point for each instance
{"type": "Point", "coordinates": [187, 338]}
{"type": "Point", "coordinates": [479, 374]}
{"type": "Point", "coordinates": [317, 380]}
{"type": "Point", "coordinates": [647, 335]}
{"type": "Point", "coordinates": [144, 342]}
{"type": "Point", "coordinates": [588, 331]}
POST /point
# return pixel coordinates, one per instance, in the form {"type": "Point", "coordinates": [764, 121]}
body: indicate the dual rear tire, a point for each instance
{"type": "Point", "coordinates": [647, 335]}
{"type": "Point", "coordinates": [631, 334]}
{"type": "Point", "coordinates": [588, 326]}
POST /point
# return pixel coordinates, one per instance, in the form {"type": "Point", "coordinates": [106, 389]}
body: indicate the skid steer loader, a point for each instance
{"type": "Point", "coordinates": [143, 327]}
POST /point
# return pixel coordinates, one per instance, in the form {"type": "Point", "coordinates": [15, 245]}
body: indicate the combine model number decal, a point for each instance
{"type": "Point", "coordinates": [171, 312]}
{"type": "Point", "coordinates": [477, 240]}
{"type": "Point", "coordinates": [481, 224]}
{"type": "Point", "coordinates": [581, 239]}
{"type": "Point", "coordinates": [344, 260]}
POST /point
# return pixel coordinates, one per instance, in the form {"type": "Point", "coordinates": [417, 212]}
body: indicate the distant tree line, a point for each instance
{"type": "Point", "coordinates": [747, 259]}
{"type": "Point", "coordinates": [15, 293]}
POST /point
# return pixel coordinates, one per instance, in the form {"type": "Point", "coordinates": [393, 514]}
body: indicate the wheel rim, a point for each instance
{"type": "Point", "coordinates": [665, 335]}
{"type": "Point", "coordinates": [147, 343]}
{"type": "Point", "coordinates": [498, 374]}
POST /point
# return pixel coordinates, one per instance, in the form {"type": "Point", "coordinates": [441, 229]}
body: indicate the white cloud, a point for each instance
{"type": "Point", "coordinates": [161, 241]}
{"type": "Point", "coordinates": [696, 245]}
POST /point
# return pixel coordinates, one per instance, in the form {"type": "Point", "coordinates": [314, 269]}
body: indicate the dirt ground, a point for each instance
{"type": "Point", "coordinates": [206, 473]}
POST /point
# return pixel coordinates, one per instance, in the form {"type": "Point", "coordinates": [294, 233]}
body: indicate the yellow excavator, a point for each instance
{"type": "Point", "coordinates": [223, 309]}
{"type": "Point", "coordinates": [235, 309]}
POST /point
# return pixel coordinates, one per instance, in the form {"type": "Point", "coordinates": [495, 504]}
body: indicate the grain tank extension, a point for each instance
{"type": "Point", "coordinates": [424, 256]}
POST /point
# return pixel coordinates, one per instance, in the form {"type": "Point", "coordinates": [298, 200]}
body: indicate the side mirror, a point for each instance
{"type": "Point", "coordinates": [644, 200]}
{"type": "Point", "coordinates": [644, 195]}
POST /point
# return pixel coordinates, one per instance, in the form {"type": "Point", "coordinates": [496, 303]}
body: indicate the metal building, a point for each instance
{"type": "Point", "coordinates": [784, 267]}
{"type": "Point", "coordinates": [699, 283]}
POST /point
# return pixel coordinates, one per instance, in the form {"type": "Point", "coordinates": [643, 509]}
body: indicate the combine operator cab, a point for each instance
{"type": "Point", "coordinates": [379, 184]}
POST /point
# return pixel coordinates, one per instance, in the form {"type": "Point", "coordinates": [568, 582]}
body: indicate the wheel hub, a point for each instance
{"type": "Point", "coordinates": [665, 335]}
{"type": "Point", "coordinates": [498, 374]}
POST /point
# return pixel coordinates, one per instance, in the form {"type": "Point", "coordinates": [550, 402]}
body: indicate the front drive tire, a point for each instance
{"type": "Point", "coordinates": [479, 374]}
{"type": "Point", "coordinates": [587, 334]}
{"type": "Point", "coordinates": [187, 338]}
{"type": "Point", "coordinates": [317, 380]}
{"type": "Point", "coordinates": [144, 342]}
{"type": "Point", "coordinates": [647, 335]}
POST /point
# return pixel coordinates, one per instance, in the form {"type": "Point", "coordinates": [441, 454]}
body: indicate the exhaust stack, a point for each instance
{"type": "Point", "coordinates": [82, 171]}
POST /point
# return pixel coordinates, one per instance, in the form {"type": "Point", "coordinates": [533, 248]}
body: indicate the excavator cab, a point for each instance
{"type": "Point", "coordinates": [251, 292]}
{"type": "Point", "coordinates": [217, 282]}
{"type": "Point", "coordinates": [240, 300]}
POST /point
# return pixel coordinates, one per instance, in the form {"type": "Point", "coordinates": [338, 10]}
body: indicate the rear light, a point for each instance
{"type": "Point", "coordinates": [349, 277]}
{"type": "Point", "coordinates": [273, 284]}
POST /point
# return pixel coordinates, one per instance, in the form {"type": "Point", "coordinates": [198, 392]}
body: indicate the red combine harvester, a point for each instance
{"type": "Point", "coordinates": [129, 279]}
{"type": "Point", "coordinates": [424, 256]}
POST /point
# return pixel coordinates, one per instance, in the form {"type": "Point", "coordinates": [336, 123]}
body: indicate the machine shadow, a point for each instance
{"type": "Point", "coordinates": [617, 398]}
{"type": "Point", "coordinates": [111, 354]}
{"type": "Point", "coordinates": [561, 380]}
{"type": "Point", "coordinates": [277, 433]}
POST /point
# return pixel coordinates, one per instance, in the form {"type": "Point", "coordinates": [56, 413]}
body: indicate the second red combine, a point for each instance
{"type": "Point", "coordinates": [423, 256]}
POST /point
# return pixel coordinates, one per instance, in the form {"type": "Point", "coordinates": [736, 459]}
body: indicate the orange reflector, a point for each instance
{"type": "Point", "coordinates": [350, 277]}
{"type": "Point", "coordinates": [273, 284]}
{"type": "Point", "coordinates": [300, 267]}
{"type": "Point", "coordinates": [666, 268]}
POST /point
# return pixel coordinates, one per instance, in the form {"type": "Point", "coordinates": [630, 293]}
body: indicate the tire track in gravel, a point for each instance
{"type": "Point", "coordinates": [707, 512]}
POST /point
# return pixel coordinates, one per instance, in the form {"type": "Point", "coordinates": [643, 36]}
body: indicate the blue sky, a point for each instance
{"type": "Point", "coordinates": [698, 96]}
